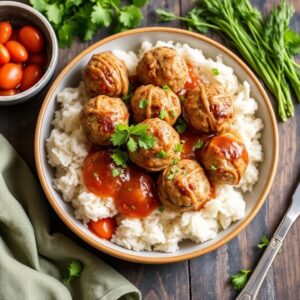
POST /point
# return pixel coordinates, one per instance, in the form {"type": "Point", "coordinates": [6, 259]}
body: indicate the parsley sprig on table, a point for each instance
{"type": "Point", "coordinates": [74, 270]}
{"type": "Point", "coordinates": [239, 280]}
{"type": "Point", "coordinates": [83, 18]}
{"type": "Point", "coordinates": [133, 136]}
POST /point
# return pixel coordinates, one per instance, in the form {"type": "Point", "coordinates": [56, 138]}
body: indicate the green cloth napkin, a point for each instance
{"type": "Point", "coordinates": [32, 257]}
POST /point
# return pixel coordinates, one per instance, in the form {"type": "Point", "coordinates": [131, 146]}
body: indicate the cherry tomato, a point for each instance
{"type": "Point", "coordinates": [10, 76]}
{"type": "Point", "coordinates": [37, 59]}
{"type": "Point", "coordinates": [104, 228]}
{"type": "Point", "coordinates": [31, 38]}
{"type": "Point", "coordinates": [5, 32]}
{"type": "Point", "coordinates": [17, 51]}
{"type": "Point", "coordinates": [4, 55]}
{"type": "Point", "coordinates": [31, 75]}
{"type": "Point", "coordinates": [15, 35]}
{"type": "Point", "coordinates": [8, 92]}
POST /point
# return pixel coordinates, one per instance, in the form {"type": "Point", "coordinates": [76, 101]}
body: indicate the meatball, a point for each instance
{"type": "Point", "coordinates": [150, 101]}
{"type": "Point", "coordinates": [163, 66]}
{"type": "Point", "coordinates": [208, 108]}
{"type": "Point", "coordinates": [99, 117]}
{"type": "Point", "coordinates": [225, 158]}
{"type": "Point", "coordinates": [105, 74]}
{"type": "Point", "coordinates": [184, 186]}
{"type": "Point", "coordinates": [164, 151]}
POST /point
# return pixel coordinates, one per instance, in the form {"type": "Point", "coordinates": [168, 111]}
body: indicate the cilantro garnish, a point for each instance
{"type": "Point", "coordinates": [173, 113]}
{"type": "Point", "coordinates": [239, 280]}
{"type": "Point", "coordinates": [115, 172]}
{"type": "Point", "coordinates": [120, 158]}
{"type": "Point", "coordinates": [133, 136]}
{"type": "Point", "coordinates": [162, 154]}
{"type": "Point", "coordinates": [166, 88]}
{"type": "Point", "coordinates": [215, 71]}
{"type": "Point", "coordinates": [74, 270]}
{"type": "Point", "coordinates": [264, 242]}
{"type": "Point", "coordinates": [199, 144]}
{"type": "Point", "coordinates": [178, 147]}
{"type": "Point", "coordinates": [163, 114]}
{"type": "Point", "coordinates": [181, 125]}
{"type": "Point", "coordinates": [174, 161]}
{"type": "Point", "coordinates": [143, 103]}
{"type": "Point", "coordinates": [172, 173]}
{"type": "Point", "coordinates": [213, 167]}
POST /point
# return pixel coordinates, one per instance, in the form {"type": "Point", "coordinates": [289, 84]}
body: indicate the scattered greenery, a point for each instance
{"type": "Point", "coordinates": [213, 167]}
{"type": "Point", "coordinates": [178, 147]}
{"type": "Point", "coordinates": [143, 103]}
{"type": "Point", "coordinates": [264, 242]}
{"type": "Point", "coordinates": [74, 270]}
{"type": "Point", "coordinates": [133, 136]}
{"type": "Point", "coordinates": [215, 71]}
{"type": "Point", "coordinates": [163, 114]}
{"type": "Point", "coordinates": [239, 280]}
{"type": "Point", "coordinates": [172, 173]}
{"type": "Point", "coordinates": [120, 158]}
{"type": "Point", "coordinates": [115, 172]}
{"type": "Point", "coordinates": [199, 144]}
{"type": "Point", "coordinates": [174, 161]}
{"type": "Point", "coordinates": [83, 18]}
{"type": "Point", "coordinates": [267, 44]}
{"type": "Point", "coordinates": [162, 154]}
{"type": "Point", "coordinates": [181, 125]}
{"type": "Point", "coordinates": [167, 88]}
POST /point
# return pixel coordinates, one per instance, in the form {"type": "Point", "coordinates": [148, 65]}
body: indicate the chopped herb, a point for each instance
{"type": "Point", "coordinates": [181, 125]}
{"type": "Point", "coordinates": [172, 173]}
{"type": "Point", "coordinates": [120, 158]}
{"type": "Point", "coordinates": [213, 167]}
{"type": "Point", "coordinates": [125, 134]}
{"type": "Point", "coordinates": [174, 161]}
{"type": "Point", "coordinates": [161, 209]}
{"type": "Point", "coordinates": [178, 148]}
{"type": "Point", "coordinates": [166, 88]}
{"type": "Point", "coordinates": [127, 97]}
{"type": "Point", "coordinates": [215, 71]}
{"type": "Point", "coordinates": [199, 144]}
{"type": "Point", "coordinates": [163, 114]}
{"type": "Point", "coordinates": [184, 172]}
{"type": "Point", "coordinates": [173, 113]}
{"type": "Point", "coordinates": [239, 280]}
{"type": "Point", "coordinates": [162, 154]}
{"type": "Point", "coordinates": [143, 103]}
{"type": "Point", "coordinates": [115, 172]}
{"type": "Point", "coordinates": [74, 270]}
{"type": "Point", "coordinates": [264, 242]}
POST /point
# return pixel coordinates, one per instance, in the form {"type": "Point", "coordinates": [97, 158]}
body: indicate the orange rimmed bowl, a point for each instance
{"type": "Point", "coordinates": [131, 40]}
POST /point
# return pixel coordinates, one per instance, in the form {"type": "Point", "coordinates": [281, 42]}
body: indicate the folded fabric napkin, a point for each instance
{"type": "Point", "coordinates": [32, 257]}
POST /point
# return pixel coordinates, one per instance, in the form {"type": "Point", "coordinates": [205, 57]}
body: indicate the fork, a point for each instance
{"type": "Point", "coordinates": [254, 283]}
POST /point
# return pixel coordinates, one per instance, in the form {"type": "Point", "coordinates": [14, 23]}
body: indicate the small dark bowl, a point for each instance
{"type": "Point", "coordinates": [19, 14]}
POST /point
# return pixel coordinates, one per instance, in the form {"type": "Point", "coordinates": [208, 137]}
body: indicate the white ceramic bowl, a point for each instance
{"type": "Point", "coordinates": [131, 40]}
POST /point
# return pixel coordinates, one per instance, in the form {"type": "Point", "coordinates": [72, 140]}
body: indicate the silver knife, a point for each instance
{"type": "Point", "coordinates": [254, 283]}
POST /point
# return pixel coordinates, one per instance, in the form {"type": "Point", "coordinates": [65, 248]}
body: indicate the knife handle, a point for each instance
{"type": "Point", "coordinates": [254, 283]}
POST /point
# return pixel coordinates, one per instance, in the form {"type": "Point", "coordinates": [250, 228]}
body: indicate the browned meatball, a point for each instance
{"type": "Point", "coordinates": [164, 151]}
{"type": "Point", "coordinates": [163, 66]}
{"type": "Point", "coordinates": [184, 186]}
{"type": "Point", "coordinates": [225, 158]}
{"type": "Point", "coordinates": [208, 108]}
{"type": "Point", "coordinates": [99, 117]}
{"type": "Point", "coordinates": [150, 101]}
{"type": "Point", "coordinates": [105, 74]}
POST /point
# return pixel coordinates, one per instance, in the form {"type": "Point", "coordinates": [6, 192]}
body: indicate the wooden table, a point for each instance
{"type": "Point", "coordinates": [206, 277]}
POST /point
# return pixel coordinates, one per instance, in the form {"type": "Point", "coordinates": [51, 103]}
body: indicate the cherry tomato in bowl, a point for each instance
{"type": "Point", "coordinates": [8, 92]}
{"type": "Point", "coordinates": [31, 75]}
{"type": "Point", "coordinates": [17, 51]}
{"type": "Point", "coordinates": [104, 228]}
{"type": "Point", "coordinates": [37, 59]}
{"type": "Point", "coordinates": [4, 55]}
{"type": "Point", "coordinates": [31, 38]}
{"type": "Point", "coordinates": [10, 76]}
{"type": "Point", "coordinates": [5, 32]}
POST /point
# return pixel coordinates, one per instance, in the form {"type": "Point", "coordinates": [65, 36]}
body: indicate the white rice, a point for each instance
{"type": "Point", "coordinates": [67, 147]}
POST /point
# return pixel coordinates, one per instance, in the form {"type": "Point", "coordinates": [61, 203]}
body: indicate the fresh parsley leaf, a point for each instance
{"type": "Point", "coordinates": [120, 135]}
{"type": "Point", "coordinates": [130, 16]}
{"type": "Point", "coordinates": [165, 16]}
{"type": "Point", "coordinates": [173, 113]}
{"type": "Point", "coordinates": [162, 154]}
{"type": "Point", "coordinates": [178, 148]}
{"type": "Point", "coordinates": [239, 280]}
{"type": "Point", "coordinates": [39, 5]}
{"type": "Point", "coordinates": [199, 144]}
{"type": "Point", "coordinates": [215, 71]}
{"type": "Point", "coordinates": [74, 270]}
{"type": "Point", "coordinates": [166, 88]}
{"type": "Point", "coordinates": [143, 103]}
{"type": "Point", "coordinates": [163, 114]}
{"type": "Point", "coordinates": [120, 158]}
{"type": "Point", "coordinates": [138, 129]}
{"type": "Point", "coordinates": [101, 16]}
{"type": "Point", "coordinates": [70, 3]}
{"type": "Point", "coordinates": [66, 33]}
{"type": "Point", "coordinates": [146, 141]}
{"type": "Point", "coordinates": [264, 242]}
{"type": "Point", "coordinates": [55, 13]}
{"type": "Point", "coordinates": [132, 145]}
{"type": "Point", "coordinates": [213, 167]}
{"type": "Point", "coordinates": [140, 3]}
{"type": "Point", "coordinates": [115, 172]}
{"type": "Point", "coordinates": [174, 161]}
{"type": "Point", "coordinates": [181, 125]}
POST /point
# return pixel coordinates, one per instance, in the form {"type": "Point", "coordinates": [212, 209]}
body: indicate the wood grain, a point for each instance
{"type": "Point", "coordinates": [206, 277]}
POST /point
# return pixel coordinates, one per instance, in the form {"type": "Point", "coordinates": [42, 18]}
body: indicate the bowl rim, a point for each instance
{"type": "Point", "coordinates": [141, 259]}
{"type": "Point", "coordinates": [40, 84]}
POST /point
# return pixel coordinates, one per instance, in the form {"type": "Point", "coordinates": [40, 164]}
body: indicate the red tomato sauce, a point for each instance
{"type": "Point", "coordinates": [133, 190]}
